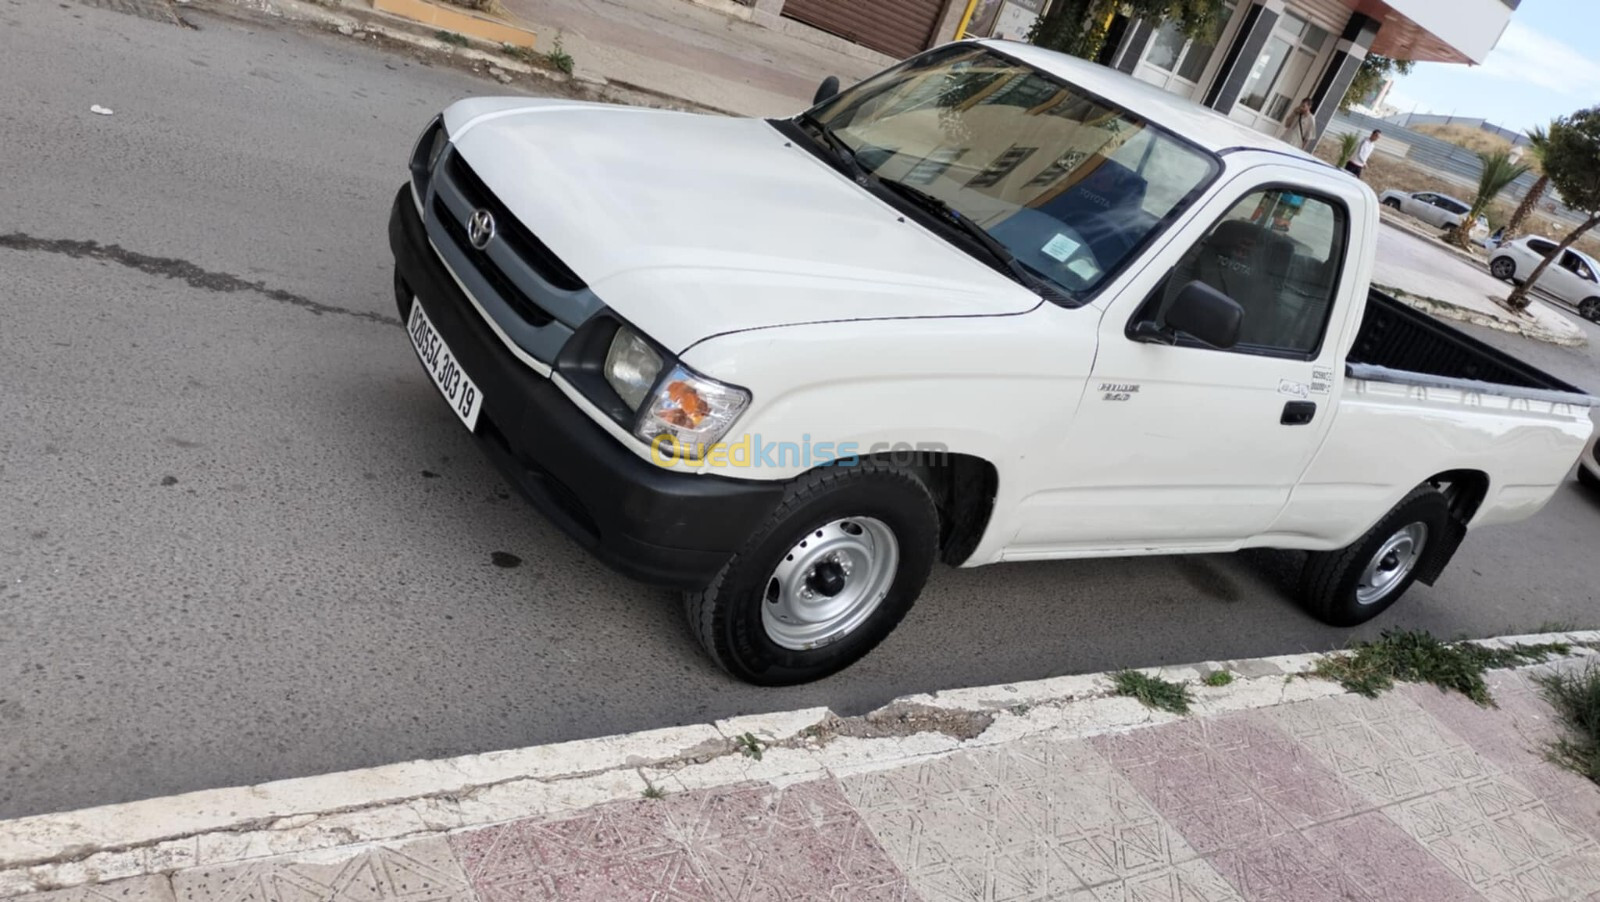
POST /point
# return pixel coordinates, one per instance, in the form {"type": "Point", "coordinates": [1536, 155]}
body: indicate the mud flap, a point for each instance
{"type": "Point", "coordinates": [1438, 556]}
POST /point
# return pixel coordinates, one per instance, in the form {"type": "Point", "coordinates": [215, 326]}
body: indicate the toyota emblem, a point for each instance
{"type": "Point", "coordinates": [480, 229]}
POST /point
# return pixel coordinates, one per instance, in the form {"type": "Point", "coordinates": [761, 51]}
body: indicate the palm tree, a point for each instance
{"type": "Point", "coordinates": [1538, 139]}
{"type": "Point", "coordinates": [1498, 172]}
{"type": "Point", "coordinates": [1348, 143]}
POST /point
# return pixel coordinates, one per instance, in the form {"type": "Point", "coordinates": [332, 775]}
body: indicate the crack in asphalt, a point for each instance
{"type": "Point", "coordinates": [182, 270]}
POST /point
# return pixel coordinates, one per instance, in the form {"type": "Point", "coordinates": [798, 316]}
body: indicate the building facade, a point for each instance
{"type": "Point", "coordinates": [1268, 55]}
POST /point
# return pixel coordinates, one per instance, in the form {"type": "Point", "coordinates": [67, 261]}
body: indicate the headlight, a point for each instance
{"type": "Point", "coordinates": [631, 367]}
{"type": "Point", "coordinates": [441, 140]}
{"type": "Point", "coordinates": [696, 411]}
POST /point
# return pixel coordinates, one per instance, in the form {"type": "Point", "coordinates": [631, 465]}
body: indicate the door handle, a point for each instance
{"type": "Point", "coordinates": [1298, 413]}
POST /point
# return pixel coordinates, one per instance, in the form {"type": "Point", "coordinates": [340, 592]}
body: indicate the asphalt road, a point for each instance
{"type": "Point", "coordinates": [241, 538]}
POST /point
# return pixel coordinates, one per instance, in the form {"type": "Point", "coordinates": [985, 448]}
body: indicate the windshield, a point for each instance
{"type": "Point", "coordinates": [1070, 184]}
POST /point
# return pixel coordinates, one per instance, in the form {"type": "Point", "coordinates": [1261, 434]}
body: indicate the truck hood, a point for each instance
{"type": "Point", "coordinates": [690, 226]}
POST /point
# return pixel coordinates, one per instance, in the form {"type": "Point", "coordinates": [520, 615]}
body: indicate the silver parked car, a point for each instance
{"type": "Point", "coordinates": [1438, 210]}
{"type": "Point", "coordinates": [1571, 279]}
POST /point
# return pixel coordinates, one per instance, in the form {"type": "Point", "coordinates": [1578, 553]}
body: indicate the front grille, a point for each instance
{"type": "Point", "coordinates": [522, 240]}
{"type": "Point", "coordinates": [491, 272]}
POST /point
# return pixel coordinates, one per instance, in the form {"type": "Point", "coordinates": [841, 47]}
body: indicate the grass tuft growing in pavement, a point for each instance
{"type": "Point", "coordinates": [450, 37]}
{"type": "Point", "coordinates": [653, 792]}
{"type": "Point", "coordinates": [1415, 656]}
{"type": "Point", "coordinates": [1576, 697]}
{"type": "Point", "coordinates": [1154, 692]}
{"type": "Point", "coordinates": [749, 746]}
{"type": "Point", "coordinates": [559, 58]}
{"type": "Point", "coordinates": [1218, 678]}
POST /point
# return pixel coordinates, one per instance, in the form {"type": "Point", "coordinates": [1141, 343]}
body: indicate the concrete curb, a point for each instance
{"type": "Point", "coordinates": [325, 815]}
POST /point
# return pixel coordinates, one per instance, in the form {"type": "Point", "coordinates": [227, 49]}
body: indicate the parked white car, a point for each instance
{"type": "Point", "coordinates": [993, 304]}
{"type": "Point", "coordinates": [1571, 279]}
{"type": "Point", "coordinates": [1439, 210]}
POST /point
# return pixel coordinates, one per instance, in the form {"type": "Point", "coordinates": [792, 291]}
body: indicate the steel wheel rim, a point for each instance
{"type": "Point", "coordinates": [1502, 268]}
{"type": "Point", "coordinates": [829, 583]}
{"type": "Point", "coordinates": [1395, 560]}
{"type": "Point", "coordinates": [1587, 308]}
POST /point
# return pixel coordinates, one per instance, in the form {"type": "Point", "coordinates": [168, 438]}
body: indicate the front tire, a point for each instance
{"type": "Point", "coordinates": [1589, 309]}
{"type": "Point", "coordinates": [1392, 204]}
{"type": "Point", "coordinates": [825, 579]}
{"type": "Point", "coordinates": [1362, 580]}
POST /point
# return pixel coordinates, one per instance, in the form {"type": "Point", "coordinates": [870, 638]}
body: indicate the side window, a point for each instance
{"type": "Point", "coordinates": [1277, 253]}
{"type": "Point", "coordinates": [1540, 246]}
{"type": "Point", "coordinates": [1425, 198]}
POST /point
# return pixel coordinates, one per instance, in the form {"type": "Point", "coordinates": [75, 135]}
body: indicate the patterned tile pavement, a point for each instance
{"type": "Point", "coordinates": [1416, 796]}
{"type": "Point", "coordinates": [732, 843]}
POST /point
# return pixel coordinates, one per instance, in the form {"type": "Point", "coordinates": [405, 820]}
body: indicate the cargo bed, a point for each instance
{"type": "Point", "coordinates": [1399, 344]}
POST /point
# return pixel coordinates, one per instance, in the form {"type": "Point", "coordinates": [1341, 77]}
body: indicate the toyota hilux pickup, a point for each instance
{"type": "Point", "coordinates": [993, 304]}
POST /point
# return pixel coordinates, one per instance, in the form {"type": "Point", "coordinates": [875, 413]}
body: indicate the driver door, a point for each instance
{"type": "Point", "coordinates": [1187, 446]}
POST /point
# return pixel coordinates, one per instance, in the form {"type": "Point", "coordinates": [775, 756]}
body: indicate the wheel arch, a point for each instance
{"type": "Point", "coordinates": [964, 487]}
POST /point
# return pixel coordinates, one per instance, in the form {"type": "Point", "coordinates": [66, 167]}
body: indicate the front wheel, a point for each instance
{"type": "Point", "coordinates": [829, 574]}
{"type": "Point", "coordinates": [1392, 204]}
{"type": "Point", "coordinates": [1360, 581]}
{"type": "Point", "coordinates": [1590, 309]}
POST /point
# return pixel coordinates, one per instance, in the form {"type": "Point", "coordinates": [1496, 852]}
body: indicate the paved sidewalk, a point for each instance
{"type": "Point", "coordinates": [703, 55]}
{"type": "Point", "coordinates": [1278, 788]}
{"type": "Point", "coordinates": [1461, 288]}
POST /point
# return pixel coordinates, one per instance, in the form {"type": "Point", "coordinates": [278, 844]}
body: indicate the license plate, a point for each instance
{"type": "Point", "coordinates": [452, 382]}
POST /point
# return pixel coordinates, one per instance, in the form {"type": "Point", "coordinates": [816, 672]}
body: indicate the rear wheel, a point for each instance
{"type": "Point", "coordinates": [1590, 309]}
{"type": "Point", "coordinates": [1391, 203]}
{"type": "Point", "coordinates": [1587, 477]}
{"type": "Point", "coordinates": [1503, 268]}
{"type": "Point", "coordinates": [829, 574]}
{"type": "Point", "coordinates": [1361, 580]}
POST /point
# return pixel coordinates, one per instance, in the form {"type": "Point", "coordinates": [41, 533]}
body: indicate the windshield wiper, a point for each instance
{"type": "Point", "coordinates": [976, 232]}
{"type": "Point", "coordinates": [842, 151]}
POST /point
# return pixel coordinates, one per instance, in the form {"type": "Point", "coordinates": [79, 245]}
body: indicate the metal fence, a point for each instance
{"type": "Point", "coordinates": [1450, 162]}
{"type": "Point", "coordinates": [1407, 120]}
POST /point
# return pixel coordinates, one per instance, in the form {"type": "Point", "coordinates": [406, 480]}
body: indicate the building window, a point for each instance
{"type": "Point", "coordinates": [1282, 66]}
{"type": "Point", "coordinates": [1172, 51]}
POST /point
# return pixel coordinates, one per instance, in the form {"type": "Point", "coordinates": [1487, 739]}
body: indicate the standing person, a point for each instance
{"type": "Point", "coordinates": [1358, 160]}
{"type": "Point", "coordinates": [1300, 128]}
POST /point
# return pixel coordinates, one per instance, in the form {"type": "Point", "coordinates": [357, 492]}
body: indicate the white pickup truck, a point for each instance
{"type": "Point", "coordinates": [994, 304]}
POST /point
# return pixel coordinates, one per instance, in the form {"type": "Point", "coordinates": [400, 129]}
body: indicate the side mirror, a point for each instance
{"type": "Point", "coordinates": [826, 90]}
{"type": "Point", "coordinates": [1201, 311]}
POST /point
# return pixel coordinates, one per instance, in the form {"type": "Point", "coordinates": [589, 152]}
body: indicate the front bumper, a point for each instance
{"type": "Point", "coordinates": [657, 526]}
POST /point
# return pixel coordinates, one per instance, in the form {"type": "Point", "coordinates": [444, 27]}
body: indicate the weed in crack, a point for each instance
{"type": "Point", "coordinates": [1218, 678]}
{"type": "Point", "coordinates": [1415, 656]}
{"type": "Point", "coordinates": [1576, 697]}
{"type": "Point", "coordinates": [1154, 692]}
{"type": "Point", "coordinates": [749, 746]}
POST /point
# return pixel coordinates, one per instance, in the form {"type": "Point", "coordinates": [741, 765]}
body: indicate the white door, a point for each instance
{"type": "Point", "coordinates": [1177, 63]}
{"type": "Point", "coordinates": [1281, 75]}
{"type": "Point", "coordinates": [1188, 446]}
{"type": "Point", "coordinates": [1577, 280]}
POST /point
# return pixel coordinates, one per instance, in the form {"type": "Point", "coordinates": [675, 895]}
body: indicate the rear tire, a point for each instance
{"type": "Point", "coordinates": [1362, 580]}
{"type": "Point", "coordinates": [1392, 204]}
{"type": "Point", "coordinates": [1503, 268]}
{"type": "Point", "coordinates": [767, 618]}
{"type": "Point", "coordinates": [1587, 477]}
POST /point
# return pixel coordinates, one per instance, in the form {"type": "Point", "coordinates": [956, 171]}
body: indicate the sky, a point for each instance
{"type": "Point", "coordinates": [1536, 73]}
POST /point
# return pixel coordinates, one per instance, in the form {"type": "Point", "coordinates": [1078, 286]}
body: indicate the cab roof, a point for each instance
{"type": "Point", "coordinates": [1201, 125]}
